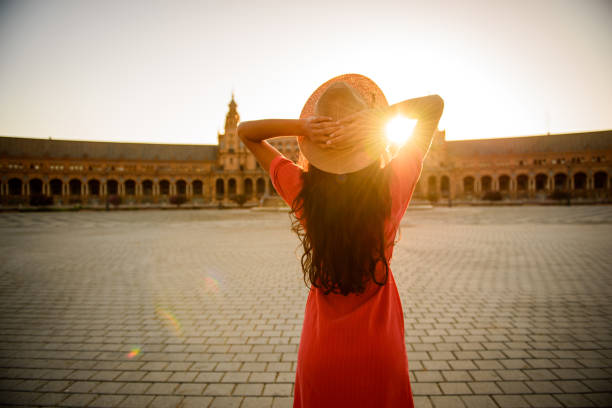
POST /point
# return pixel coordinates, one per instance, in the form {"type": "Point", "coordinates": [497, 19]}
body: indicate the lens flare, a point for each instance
{"type": "Point", "coordinates": [133, 352]}
{"type": "Point", "coordinates": [211, 285]}
{"type": "Point", "coordinates": [169, 317]}
{"type": "Point", "coordinates": [399, 129]}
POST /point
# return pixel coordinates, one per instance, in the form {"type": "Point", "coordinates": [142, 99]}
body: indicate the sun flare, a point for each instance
{"type": "Point", "coordinates": [399, 129]}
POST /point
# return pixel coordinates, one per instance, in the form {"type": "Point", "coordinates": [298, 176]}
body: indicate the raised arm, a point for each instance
{"type": "Point", "coordinates": [427, 110]}
{"type": "Point", "coordinates": [254, 134]}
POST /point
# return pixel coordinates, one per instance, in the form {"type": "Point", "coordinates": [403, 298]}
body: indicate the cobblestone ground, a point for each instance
{"type": "Point", "coordinates": [504, 307]}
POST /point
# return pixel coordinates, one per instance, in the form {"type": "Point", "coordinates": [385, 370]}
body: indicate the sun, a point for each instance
{"type": "Point", "coordinates": [399, 129]}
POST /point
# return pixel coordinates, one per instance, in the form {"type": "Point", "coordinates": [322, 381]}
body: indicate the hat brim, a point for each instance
{"type": "Point", "coordinates": [350, 160]}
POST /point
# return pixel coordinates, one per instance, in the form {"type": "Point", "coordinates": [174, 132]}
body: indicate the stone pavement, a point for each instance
{"type": "Point", "coordinates": [504, 307]}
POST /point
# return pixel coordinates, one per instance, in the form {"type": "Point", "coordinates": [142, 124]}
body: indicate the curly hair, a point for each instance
{"type": "Point", "coordinates": [340, 220]}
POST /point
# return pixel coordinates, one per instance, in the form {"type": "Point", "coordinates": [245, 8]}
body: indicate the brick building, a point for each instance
{"type": "Point", "coordinates": [524, 169]}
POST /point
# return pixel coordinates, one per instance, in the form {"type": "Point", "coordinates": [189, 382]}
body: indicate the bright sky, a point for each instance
{"type": "Point", "coordinates": [164, 71]}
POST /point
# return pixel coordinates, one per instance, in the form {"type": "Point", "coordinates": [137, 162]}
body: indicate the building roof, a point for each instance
{"type": "Point", "coordinates": [557, 143]}
{"type": "Point", "coordinates": [72, 149]}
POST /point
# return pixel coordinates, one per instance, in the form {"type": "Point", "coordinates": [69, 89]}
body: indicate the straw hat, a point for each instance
{"type": "Point", "coordinates": [351, 159]}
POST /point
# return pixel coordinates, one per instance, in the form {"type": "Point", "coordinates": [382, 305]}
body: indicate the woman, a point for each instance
{"type": "Point", "coordinates": [347, 200]}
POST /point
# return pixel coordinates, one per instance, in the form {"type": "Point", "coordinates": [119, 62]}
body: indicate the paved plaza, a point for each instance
{"type": "Point", "coordinates": [504, 307]}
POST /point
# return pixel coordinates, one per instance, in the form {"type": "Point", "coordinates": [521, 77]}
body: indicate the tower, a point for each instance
{"type": "Point", "coordinates": [232, 152]}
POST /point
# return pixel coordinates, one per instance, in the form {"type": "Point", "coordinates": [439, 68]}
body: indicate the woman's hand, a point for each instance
{"type": "Point", "coordinates": [364, 126]}
{"type": "Point", "coordinates": [319, 128]}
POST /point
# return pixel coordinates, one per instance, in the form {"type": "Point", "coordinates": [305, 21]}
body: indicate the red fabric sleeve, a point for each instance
{"type": "Point", "coordinates": [286, 177]}
{"type": "Point", "coordinates": [407, 167]}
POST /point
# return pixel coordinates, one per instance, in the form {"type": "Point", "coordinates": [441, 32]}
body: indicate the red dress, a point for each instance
{"type": "Point", "coordinates": [352, 351]}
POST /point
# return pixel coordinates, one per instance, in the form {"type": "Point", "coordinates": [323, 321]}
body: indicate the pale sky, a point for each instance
{"type": "Point", "coordinates": [164, 71]}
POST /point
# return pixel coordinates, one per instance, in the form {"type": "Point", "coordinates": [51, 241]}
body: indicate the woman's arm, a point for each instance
{"type": "Point", "coordinates": [371, 123]}
{"type": "Point", "coordinates": [254, 134]}
{"type": "Point", "coordinates": [427, 110]}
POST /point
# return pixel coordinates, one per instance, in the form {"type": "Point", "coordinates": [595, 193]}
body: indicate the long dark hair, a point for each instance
{"type": "Point", "coordinates": [340, 221]}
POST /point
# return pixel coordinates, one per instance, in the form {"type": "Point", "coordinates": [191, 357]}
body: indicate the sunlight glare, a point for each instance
{"type": "Point", "coordinates": [399, 129]}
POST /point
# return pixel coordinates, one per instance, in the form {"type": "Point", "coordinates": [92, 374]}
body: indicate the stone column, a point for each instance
{"type": "Point", "coordinates": [188, 191]}
{"type": "Point", "coordinates": [84, 188]}
{"type": "Point", "coordinates": [25, 188]}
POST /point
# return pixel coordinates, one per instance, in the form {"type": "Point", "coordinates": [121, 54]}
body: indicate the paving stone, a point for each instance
{"type": "Point", "coordinates": [166, 401]}
{"type": "Point", "coordinates": [107, 401]}
{"type": "Point", "coordinates": [574, 400]}
{"type": "Point", "coordinates": [447, 402]}
{"type": "Point", "coordinates": [542, 401]}
{"type": "Point", "coordinates": [478, 401]}
{"type": "Point", "coordinates": [226, 402]}
{"type": "Point", "coordinates": [511, 401]}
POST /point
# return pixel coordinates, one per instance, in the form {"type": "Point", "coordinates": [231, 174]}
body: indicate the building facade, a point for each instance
{"type": "Point", "coordinates": [522, 169]}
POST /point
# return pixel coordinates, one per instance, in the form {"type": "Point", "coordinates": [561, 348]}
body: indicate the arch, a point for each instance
{"type": "Point", "coordinates": [432, 185]}
{"type": "Point", "coordinates": [197, 187]}
{"type": "Point", "coordinates": [486, 183]}
{"type": "Point", "coordinates": [260, 186]}
{"type": "Point", "coordinates": [181, 187]}
{"type": "Point", "coordinates": [147, 187]}
{"type": "Point", "coordinates": [271, 187]}
{"type": "Point", "coordinates": [468, 184]}
{"type": "Point", "coordinates": [504, 182]}
{"type": "Point", "coordinates": [36, 186]}
{"type": "Point", "coordinates": [14, 186]}
{"type": "Point", "coordinates": [74, 186]}
{"type": "Point", "coordinates": [445, 185]}
{"type": "Point", "coordinates": [522, 182]}
{"type": "Point", "coordinates": [93, 187]}
{"type": "Point", "coordinates": [580, 181]}
{"type": "Point", "coordinates": [164, 187]}
{"type": "Point", "coordinates": [599, 180]}
{"type": "Point", "coordinates": [220, 188]}
{"type": "Point", "coordinates": [112, 187]}
{"type": "Point", "coordinates": [55, 186]}
{"type": "Point", "coordinates": [130, 187]}
{"type": "Point", "coordinates": [541, 180]}
{"type": "Point", "coordinates": [248, 187]}
{"type": "Point", "coordinates": [231, 187]}
{"type": "Point", "coordinates": [560, 180]}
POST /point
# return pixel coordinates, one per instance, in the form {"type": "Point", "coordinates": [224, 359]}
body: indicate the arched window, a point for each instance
{"type": "Point", "coordinates": [219, 189]}
{"type": "Point", "coordinates": [522, 182]}
{"type": "Point", "coordinates": [164, 187]}
{"type": "Point", "coordinates": [130, 187]}
{"type": "Point", "coordinates": [93, 186]}
{"type": "Point", "coordinates": [580, 181]}
{"type": "Point", "coordinates": [36, 186]}
{"type": "Point", "coordinates": [147, 188]}
{"type": "Point", "coordinates": [181, 187]}
{"type": "Point", "coordinates": [15, 186]}
{"type": "Point", "coordinates": [486, 183]}
{"type": "Point", "coordinates": [55, 186]}
{"type": "Point", "coordinates": [231, 187]}
{"type": "Point", "coordinates": [112, 187]}
{"type": "Point", "coordinates": [560, 181]}
{"type": "Point", "coordinates": [468, 184]}
{"type": "Point", "coordinates": [445, 185]}
{"type": "Point", "coordinates": [431, 185]}
{"type": "Point", "coordinates": [541, 180]}
{"type": "Point", "coordinates": [599, 180]}
{"type": "Point", "coordinates": [504, 182]}
{"type": "Point", "coordinates": [261, 187]}
{"type": "Point", "coordinates": [248, 187]}
{"type": "Point", "coordinates": [197, 187]}
{"type": "Point", "coordinates": [75, 187]}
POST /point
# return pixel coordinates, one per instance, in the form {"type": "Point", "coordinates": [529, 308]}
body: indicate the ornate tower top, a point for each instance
{"type": "Point", "coordinates": [232, 118]}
